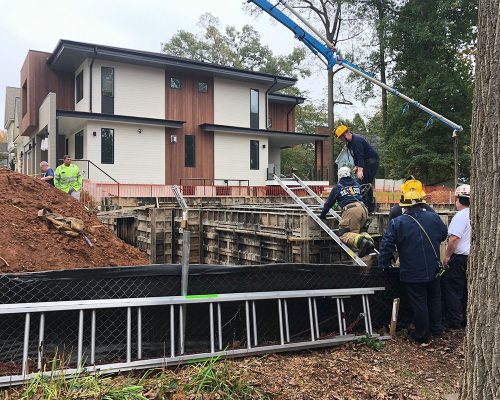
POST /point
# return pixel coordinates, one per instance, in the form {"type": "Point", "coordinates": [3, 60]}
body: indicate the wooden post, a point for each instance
{"type": "Point", "coordinates": [394, 317]}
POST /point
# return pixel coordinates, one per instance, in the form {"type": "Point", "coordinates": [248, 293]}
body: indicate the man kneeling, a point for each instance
{"type": "Point", "coordinates": [354, 213]}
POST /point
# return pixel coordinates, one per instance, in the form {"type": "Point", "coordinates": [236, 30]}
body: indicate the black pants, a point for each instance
{"type": "Point", "coordinates": [454, 286]}
{"type": "Point", "coordinates": [369, 171]}
{"type": "Point", "coordinates": [425, 301]}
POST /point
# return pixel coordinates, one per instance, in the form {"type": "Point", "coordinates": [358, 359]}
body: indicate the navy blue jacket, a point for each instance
{"type": "Point", "coordinates": [418, 263]}
{"type": "Point", "coordinates": [360, 150]}
{"type": "Point", "coordinates": [347, 191]}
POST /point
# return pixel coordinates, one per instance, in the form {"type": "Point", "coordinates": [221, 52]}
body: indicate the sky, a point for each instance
{"type": "Point", "coordinates": [134, 24]}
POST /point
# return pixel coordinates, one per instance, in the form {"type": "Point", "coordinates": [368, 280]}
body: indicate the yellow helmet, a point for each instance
{"type": "Point", "coordinates": [412, 192]}
{"type": "Point", "coordinates": [341, 129]}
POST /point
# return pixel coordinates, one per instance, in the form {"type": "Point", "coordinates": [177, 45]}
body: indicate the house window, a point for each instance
{"type": "Point", "coordinates": [203, 87]}
{"type": "Point", "coordinates": [254, 109]}
{"type": "Point", "coordinates": [107, 146]}
{"type": "Point", "coordinates": [189, 151]}
{"type": "Point", "coordinates": [254, 154]}
{"type": "Point", "coordinates": [79, 86]}
{"type": "Point", "coordinates": [79, 145]}
{"type": "Point", "coordinates": [175, 83]}
{"type": "Point", "coordinates": [107, 81]}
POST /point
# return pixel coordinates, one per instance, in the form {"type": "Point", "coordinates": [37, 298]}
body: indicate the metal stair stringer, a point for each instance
{"type": "Point", "coordinates": [316, 219]}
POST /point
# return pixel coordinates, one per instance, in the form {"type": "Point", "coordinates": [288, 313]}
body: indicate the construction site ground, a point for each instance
{"type": "Point", "coordinates": [402, 370]}
{"type": "Point", "coordinates": [28, 244]}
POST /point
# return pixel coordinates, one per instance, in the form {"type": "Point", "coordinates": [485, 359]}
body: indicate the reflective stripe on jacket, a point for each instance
{"type": "Point", "coordinates": [67, 178]}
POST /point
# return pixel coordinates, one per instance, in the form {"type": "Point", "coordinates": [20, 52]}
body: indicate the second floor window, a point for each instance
{"type": "Point", "coordinates": [107, 146]}
{"type": "Point", "coordinates": [189, 151]}
{"type": "Point", "coordinates": [254, 154]}
{"type": "Point", "coordinates": [203, 87]}
{"type": "Point", "coordinates": [175, 83]}
{"type": "Point", "coordinates": [254, 108]}
{"type": "Point", "coordinates": [79, 86]}
{"type": "Point", "coordinates": [107, 81]}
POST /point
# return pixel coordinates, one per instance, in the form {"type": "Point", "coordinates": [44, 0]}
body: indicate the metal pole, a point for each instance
{"type": "Point", "coordinates": [219, 322]}
{"type": "Point", "coordinates": [455, 155]}
{"type": "Point", "coordinates": [80, 339]}
{"type": "Point", "coordinates": [92, 337]}
{"type": "Point", "coordinates": [26, 343]}
{"type": "Point", "coordinates": [186, 243]}
{"type": "Point", "coordinates": [40, 340]}
{"type": "Point", "coordinates": [212, 342]}
{"type": "Point", "coordinates": [139, 333]}
{"type": "Point", "coordinates": [129, 334]}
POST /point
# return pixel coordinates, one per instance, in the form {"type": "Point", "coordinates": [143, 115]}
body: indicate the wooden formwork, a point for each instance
{"type": "Point", "coordinates": [194, 226]}
{"type": "Point", "coordinates": [154, 233]}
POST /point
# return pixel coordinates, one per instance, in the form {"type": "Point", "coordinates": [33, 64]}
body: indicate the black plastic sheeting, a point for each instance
{"type": "Point", "coordinates": [165, 280]}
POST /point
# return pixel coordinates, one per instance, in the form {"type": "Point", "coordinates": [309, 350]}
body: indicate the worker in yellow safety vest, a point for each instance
{"type": "Point", "coordinates": [68, 178]}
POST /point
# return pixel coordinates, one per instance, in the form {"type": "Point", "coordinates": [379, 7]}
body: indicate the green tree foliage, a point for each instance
{"type": "Point", "coordinates": [432, 44]}
{"type": "Point", "coordinates": [235, 48]}
{"type": "Point", "coordinates": [300, 159]}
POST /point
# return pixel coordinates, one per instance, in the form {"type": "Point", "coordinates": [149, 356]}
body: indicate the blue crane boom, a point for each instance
{"type": "Point", "coordinates": [331, 57]}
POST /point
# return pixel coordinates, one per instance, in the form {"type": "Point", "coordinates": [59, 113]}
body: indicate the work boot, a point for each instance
{"type": "Point", "coordinates": [365, 246]}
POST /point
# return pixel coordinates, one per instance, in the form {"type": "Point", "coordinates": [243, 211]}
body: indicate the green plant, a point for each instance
{"type": "Point", "coordinates": [372, 342]}
{"type": "Point", "coordinates": [221, 379]}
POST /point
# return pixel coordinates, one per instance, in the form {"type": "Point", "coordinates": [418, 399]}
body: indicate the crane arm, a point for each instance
{"type": "Point", "coordinates": [329, 54]}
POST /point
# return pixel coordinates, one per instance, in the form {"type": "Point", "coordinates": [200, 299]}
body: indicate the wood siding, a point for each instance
{"type": "Point", "coordinates": [38, 80]}
{"type": "Point", "coordinates": [282, 119]}
{"type": "Point", "coordinates": [190, 105]}
{"type": "Point", "coordinates": [322, 154]}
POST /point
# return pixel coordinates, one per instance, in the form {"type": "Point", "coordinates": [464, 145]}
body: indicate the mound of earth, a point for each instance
{"type": "Point", "coordinates": [27, 243]}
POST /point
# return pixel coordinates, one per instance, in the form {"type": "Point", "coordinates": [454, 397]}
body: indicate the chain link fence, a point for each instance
{"type": "Point", "coordinates": [61, 328]}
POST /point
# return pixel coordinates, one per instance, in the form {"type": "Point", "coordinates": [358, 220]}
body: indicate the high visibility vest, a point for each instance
{"type": "Point", "coordinates": [67, 178]}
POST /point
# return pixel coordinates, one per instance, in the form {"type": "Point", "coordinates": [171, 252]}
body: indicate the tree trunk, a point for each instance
{"type": "Point", "coordinates": [382, 63]}
{"type": "Point", "coordinates": [481, 377]}
{"type": "Point", "coordinates": [331, 166]}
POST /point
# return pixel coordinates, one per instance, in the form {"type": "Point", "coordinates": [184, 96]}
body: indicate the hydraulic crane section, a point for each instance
{"type": "Point", "coordinates": [329, 53]}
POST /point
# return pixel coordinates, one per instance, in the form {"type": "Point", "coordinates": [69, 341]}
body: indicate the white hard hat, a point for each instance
{"type": "Point", "coordinates": [463, 191]}
{"type": "Point", "coordinates": [344, 172]}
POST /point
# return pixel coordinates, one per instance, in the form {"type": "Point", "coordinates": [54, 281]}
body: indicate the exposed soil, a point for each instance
{"type": "Point", "coordinates": [401, 370]}
{"type": "Point", "coordinates": [28, 244]}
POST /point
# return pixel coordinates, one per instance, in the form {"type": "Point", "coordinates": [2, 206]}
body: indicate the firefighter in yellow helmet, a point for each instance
{"type": "Point", "coordinates": [366, 160]}
{"type": "Point", "coordinates": [415, 189]}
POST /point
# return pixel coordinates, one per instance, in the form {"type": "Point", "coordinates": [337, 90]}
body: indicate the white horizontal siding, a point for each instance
{"type": "Point", "coordinates": [232, 103]}
{"type": "Point", "coordinates": [139, 91]}
{"type": "Point", "coordinates": [139, 157]}
{"type": "Point", "coordinates": [232, 158]}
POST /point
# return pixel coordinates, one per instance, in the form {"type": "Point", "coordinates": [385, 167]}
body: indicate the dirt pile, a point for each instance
{"type": "Point", "coordinates": [28, 244]}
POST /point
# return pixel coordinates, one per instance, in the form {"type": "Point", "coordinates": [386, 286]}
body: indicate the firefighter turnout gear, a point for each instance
{"type": "Point", "coordinates": [463, 191]}
{"type": "Point", "coordinates": [341, 129]}
{"type": "Point", "coordinates": [354, 215]}
{"type": "Point", "coordinates": [412, 193]}
{"type": "Point", "coordinates": [68, 178]}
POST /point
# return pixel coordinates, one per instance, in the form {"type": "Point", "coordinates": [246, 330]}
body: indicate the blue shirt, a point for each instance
{"type": "Point", "coordinates": [361, 150]}
{"type": "Point", "coordinates": [417, 259]}
{"type": "Point", "coordinates": [50, 172]}
{"type": "Point", "coordinates": [346, 192]}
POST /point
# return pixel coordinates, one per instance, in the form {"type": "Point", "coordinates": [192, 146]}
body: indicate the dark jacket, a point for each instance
{"type": "Point", "coordinates": [418, 263]}
{"type": "Point", "coordinates": [346, 192]}
{"type": "Point", "coordinates": [397, 210]}
{"type": "Point", "coordinates": [361, 150]}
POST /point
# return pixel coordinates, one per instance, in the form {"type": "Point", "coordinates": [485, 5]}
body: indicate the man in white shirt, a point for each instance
{"type": "Point", "coordinates": [454, 280]}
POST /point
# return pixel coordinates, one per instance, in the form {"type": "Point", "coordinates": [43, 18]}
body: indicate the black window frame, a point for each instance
{"type": "Point", "coordinates": [104, 68]}
{"type": "Point", "coordinates": [203, 87]}
{"type": "Point", "coordinates": [254, 116]}
{"type": "Point", "coordinates": [79, 87]}
{"type": "Point", "coordinates": [104, 158]}
{"type": "Point", "coordinates": [190, 151]}
{"type": "Point", "coordinates": [79, 151]}
{"type": "Point", "coordinates": [254, 158]}
{"type": "Point", "coordinates": [173, 86]}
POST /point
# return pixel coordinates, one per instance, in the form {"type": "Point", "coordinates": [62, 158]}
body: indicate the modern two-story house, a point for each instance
{"type": "Point", "coordinates": [12, 121]}
{"type": "Point", "coordinates": [151, 118]}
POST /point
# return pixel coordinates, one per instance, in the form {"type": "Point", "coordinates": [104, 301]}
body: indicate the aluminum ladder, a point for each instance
{"type": "Point", "coordinates": [180, 198]}
{"type": "Point", "coordinates": [312, 210]}
{"type": "Point", "coordinates": [87, 359]}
